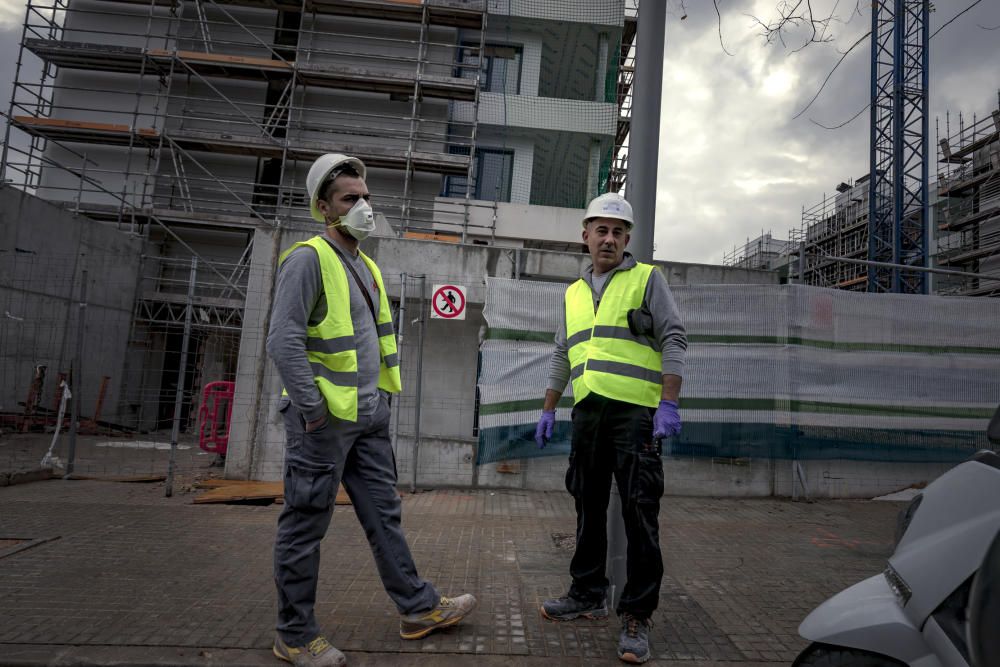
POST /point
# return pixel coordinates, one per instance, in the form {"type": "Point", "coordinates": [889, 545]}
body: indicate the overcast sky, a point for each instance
{"type": "Point", "coordinates": [733, 162]}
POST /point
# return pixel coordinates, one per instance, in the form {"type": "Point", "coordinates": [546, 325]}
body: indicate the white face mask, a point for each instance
{"type": "Point", "coordinates": [359, 221]}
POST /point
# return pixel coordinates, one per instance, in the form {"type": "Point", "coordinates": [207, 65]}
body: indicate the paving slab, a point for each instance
{"type": "Point", "coordinates": [104, 573]}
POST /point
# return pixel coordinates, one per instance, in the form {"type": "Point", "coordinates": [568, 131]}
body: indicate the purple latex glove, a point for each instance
{"type": "Point", "coordinates": [543, 432]}
{"type": "Point", "coordinates": [666, 421]}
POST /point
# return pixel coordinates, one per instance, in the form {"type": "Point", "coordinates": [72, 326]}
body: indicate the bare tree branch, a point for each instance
{"type": "Point", "coordinates": [718, 14]}
{"type": "Point", "coordinates": [835, 127]}
{"type": "Point", "coordinates": [830, 74]}
{"type": "Point", "coordinates": [846, 122]}
{"type": "Point", "coordinates": [797, 14]}
{"type": "Point", "coordinates": [949, 21]}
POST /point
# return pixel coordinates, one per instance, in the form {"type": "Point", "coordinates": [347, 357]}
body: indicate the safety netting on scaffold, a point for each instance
{"type": "Point", "coordinates": [773, 371]}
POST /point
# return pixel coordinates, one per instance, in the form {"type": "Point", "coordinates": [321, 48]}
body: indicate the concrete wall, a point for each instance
{"type": "Point", "coordinates": [43, 252]}
{"type": "Point", "coordinates": [687, 476]}
{"type": "Point", "coordinates": [515, 220]}
{"type": "Point", "coordinates": [126, 25]}
{"type": "Point", "coordinates": [541, 113]}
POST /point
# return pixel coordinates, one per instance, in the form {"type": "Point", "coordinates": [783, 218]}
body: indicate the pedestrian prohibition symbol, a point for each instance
{"type": "Point", "coordinates": [448, 302]}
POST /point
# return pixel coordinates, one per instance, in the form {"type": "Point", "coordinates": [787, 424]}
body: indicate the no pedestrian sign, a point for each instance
{"type": "Point", "coordinates": [448, 302]}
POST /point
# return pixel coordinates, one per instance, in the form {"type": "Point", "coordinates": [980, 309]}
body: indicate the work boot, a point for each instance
{"type": "Point", "coordinates": [568, 608]}
{"type": "Point", "coordinates": [449, 611]}
{"type": "Point", "coordinates": [633, 643]}
{"type": "Point", "coordinates": [317, 653]}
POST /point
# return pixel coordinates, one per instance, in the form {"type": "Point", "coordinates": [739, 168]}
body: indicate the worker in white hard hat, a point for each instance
{"type": "Point", "coordinates": [332, 341]}
{"type": "Point", "coordinates": [622, 343]}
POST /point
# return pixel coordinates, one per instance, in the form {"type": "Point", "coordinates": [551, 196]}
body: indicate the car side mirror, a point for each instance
{"type": "Point", "coordinates": [984, 609]}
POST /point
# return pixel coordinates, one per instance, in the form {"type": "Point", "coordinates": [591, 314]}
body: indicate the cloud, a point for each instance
{"type": "Point", "coordinates": [733, 161]}
{"type": "Point", "coordinates": [11, 15]}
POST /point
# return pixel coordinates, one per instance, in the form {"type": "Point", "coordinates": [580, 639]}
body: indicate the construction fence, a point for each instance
{"type": "Point", "coordinates": [774, 372]}
{"type": "Point", "coordinates": [161, 356]}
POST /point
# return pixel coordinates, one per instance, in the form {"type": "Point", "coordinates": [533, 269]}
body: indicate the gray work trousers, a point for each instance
{"type": "Point", "coordinates": [359, 454]}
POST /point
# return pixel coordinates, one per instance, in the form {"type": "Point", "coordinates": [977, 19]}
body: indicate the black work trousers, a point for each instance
{"type": "Point", "coordinates": [615, 438]}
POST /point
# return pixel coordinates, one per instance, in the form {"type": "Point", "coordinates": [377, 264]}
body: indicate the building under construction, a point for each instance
{"type": "Point", "coordinates": [191, 124]}
{"type": "Point", "coordinates": [964, 213]}
{"type": "Point", "coordinates": [210, 111]}
{"type": "Point", "coordinates": [968, 211]}
{"type": "Point", "coordinates": [764, 253]}
{"type": "Point", "coordinates": [836, 227]}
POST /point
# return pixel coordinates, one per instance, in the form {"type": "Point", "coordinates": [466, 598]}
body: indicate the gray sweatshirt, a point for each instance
{"type": "Point", "coordinates": [668, 329]}
{"type": "Point", "coordinates": [299, 300]}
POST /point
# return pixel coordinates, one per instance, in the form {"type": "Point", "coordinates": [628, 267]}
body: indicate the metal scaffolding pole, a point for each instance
{"type": "Point", "coordinates": [179, 394]}
{"type": "Point", "coordinates": [420, 378]}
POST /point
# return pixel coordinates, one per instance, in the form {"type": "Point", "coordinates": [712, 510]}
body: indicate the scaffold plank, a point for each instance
{"type": "Point", "coordinates": [111, 58]}
{"type": "Point", "coordinates": [233, 144]}
{"type": "Point", "coordinates": [447, 13]}
{"type": "Point", "coordinates": [85, 131]}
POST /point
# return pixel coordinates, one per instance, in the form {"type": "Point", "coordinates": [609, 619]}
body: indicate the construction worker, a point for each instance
{"type": "Point", "coordinates": [622, 343]}
{"type": "Point", "coordinates": [332, 341]}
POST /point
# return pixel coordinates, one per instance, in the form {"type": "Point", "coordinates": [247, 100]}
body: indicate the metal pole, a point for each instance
{"type": "Point", "coordinates": [179, 394]}
{"type": "Point", "coordinates": [925, 158]}
{"type": "Point", "coordinates": [644, 138]}
{"type": "Point", "coordinates": [640, 190]}
{"type": "Point", "coordinates": [912, 267]}
{"type": "Point", "coordinates": [420, 377]}
{"type": "Point", "coordinates": [401, 322]}
{"type": "Point", "coordinates": [77, 375]}
{"type": "Point", "coordinates": [83, 177]}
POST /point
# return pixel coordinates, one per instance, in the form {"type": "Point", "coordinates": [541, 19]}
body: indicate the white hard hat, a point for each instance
{"type": "Point", "coordinates": [320, 171]}
{"type": "Point", "coordinates": [609, 205]}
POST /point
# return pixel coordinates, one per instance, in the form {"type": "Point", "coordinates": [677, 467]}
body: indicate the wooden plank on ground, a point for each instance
{"type": "Point", "coordinates": [217, 483]}
{"type": "Point", "coordinates": [231, 490]}
{"type": "Point", "coordinates": [133, 479]}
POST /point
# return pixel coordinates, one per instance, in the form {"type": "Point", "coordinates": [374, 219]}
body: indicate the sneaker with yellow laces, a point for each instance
{"type": "Point", "coordinates": [317, 653]}
{"type": "Point", "coordinates": [448, 612]}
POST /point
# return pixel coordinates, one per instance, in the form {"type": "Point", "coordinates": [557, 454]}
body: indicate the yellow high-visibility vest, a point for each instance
{"type": "Point", "coordinates": [330, 345]}
{"type": "Point", "coordinates": [604, 356]}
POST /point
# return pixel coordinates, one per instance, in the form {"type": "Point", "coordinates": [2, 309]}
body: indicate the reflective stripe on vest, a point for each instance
{"type": "Point", "coordinates": [330, 345]}
{"type": "Point", "coordinates": [604, 356]}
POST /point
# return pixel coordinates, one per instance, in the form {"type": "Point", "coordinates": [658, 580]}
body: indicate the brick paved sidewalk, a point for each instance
{"type": "Point", "coordinates": [105, 573]}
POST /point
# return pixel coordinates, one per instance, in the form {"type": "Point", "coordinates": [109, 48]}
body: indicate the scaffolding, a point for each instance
{"type": "Point", "coordinates": [618, 170]}
{"type": "Point", "coordinates": [210, 111]}
{"type": "Point", "coordinates": [835, 228]}
{"type": "Point", "coordinates": [764, 253]}
{"type": "Point", "coordinates": [968, 208]}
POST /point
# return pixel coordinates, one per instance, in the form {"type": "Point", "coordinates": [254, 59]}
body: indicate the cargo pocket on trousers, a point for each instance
{"type": "Point", "coordinates": [650, 486]}
{"type": "Point", "coordinates": [309, 487]}
{"type": "Point", "coordinates": [573, 478]}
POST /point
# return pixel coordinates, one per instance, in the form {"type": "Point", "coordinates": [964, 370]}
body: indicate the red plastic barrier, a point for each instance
{"type": "Point", "coordinates": [216, 398]}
